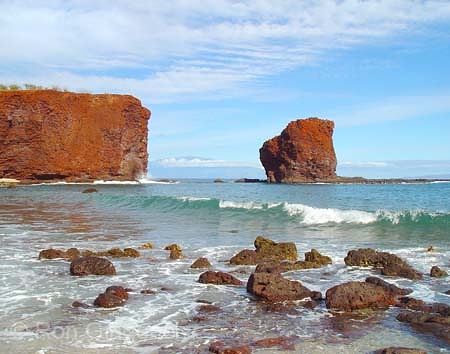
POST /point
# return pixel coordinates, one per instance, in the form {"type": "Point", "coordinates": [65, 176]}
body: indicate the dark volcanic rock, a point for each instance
{"type": "Point", "coordinates": [437, 272]}
{"type": "Point", "coordinates": [266, 250]}
{"type": "Point", "coordinates": [436, 324]}
{"type": "Point", "coordinates": [303, 152]}
{"type": "Point", "coordinates": [390, 264]}
{"type": "Point", "coordinates": [112, 297]}
{"type": "Point", "coordinates": [400, 350]}
{"type": "Point", "coordinates": [315, 257]}
{"type": "Point", "coordinates": [245, 257]}
{"type": "Point", "coordinates": [70, 254]}
{"type": "Point", "coordinates": [211, 277]}
{"type": "Point", "coordinates": [220, 347]}
{"type": "Point", "coordinates": [201, 262]}
{"type": "Point", "coordinates": [358, 295]}
{"type": "Point", "coordinates": [286, 343]}
{"type": "Point", "coordinates": [52, 253]}
{"type": "Point", "coordinates": [274, 287]}
{"type": "Point", "coordinates": [53, 135]}
{"type": "Point", "coordinates": [90, 190]}
{"type": "Point", "coordinates": [392, 289]}
{"type": "Point", "coordinates": [92, 265]}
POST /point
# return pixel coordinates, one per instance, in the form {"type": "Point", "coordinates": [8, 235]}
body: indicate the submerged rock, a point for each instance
{"type": "Point", "coordinates": [92, 265]}
{"type": "Point", "coordinates": [90, 190]}
{"type": "Point", "coordinates": [219, 278]}
{"type": "Point", "coordinates": [201, 262]}
{"type": "Point", "coordinates": [274, 287]}
{"type": "Point", "coordinates": [358, 295]}
{"type": "Point", "coordinates": [303, 152]}
{"type": "Point", "coordinates": [70, 254]}
{"type": "Point", "coordinates": [52, 254]}
{"type": "Point", "coordinates": [435, 322]}
{"type": "Point", "coordinates": [147, 246]}
{"type": "Point", "coordinates": [400, 350]}
{"type": "Point", "coordinates": [286, 343]}
{"type": "Point", "coordinates": [220, 347]}
{"type": "Point", "coordinates": [390, 264]}
{"type": "Point", "coordinates": [437, 272]}
{"type": "Point", "coordinates": [116, 253]}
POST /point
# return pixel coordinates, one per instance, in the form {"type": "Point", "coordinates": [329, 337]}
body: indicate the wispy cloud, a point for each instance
{"type": "Point", "coordinates": [394, 108]}
{"type": "Point", "coordinates": [177, 50]}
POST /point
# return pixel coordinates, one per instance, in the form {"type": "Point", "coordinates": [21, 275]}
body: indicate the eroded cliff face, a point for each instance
{"type": "Point", "coordinates": [303, 152]}
{"type": "Point", "coordinates": [52, 135]}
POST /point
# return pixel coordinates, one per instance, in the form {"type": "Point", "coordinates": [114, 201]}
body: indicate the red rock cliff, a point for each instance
{"type": "Point", "coordinates": [303, 152]}
{"type": "Point", "coordinates": [47, 135]}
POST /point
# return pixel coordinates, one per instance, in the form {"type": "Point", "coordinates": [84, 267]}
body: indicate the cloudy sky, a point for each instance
{"type": "Point", "coordinates": [222, 76]}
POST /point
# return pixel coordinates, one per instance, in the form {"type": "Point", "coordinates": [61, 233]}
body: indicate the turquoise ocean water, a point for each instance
{"type": "Point", "coordinates": [214, 220]}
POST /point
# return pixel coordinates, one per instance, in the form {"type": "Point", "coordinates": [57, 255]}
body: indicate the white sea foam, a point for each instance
{"type": "Point", "coordinates": [192, 199]}
{"type": "Point", "coordinates": [240, 205]}
{"type": "Point", "coordinates": [312, 216]}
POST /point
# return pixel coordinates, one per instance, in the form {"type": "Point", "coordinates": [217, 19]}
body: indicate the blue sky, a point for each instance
{"type": "Point", "coordinates": [220, 77]}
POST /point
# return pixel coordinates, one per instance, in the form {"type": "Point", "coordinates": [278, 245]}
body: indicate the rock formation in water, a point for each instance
{"type": "Point", "coordinates": [303, 152]}
{"type": "Point", "coordinates": [52, 135]}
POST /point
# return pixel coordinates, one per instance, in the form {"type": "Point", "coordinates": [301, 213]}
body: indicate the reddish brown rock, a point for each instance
{"type": "Point", "coordinates": [303, 152]}
{"type": "Point", "coordinates": [220, 347]}
{"type": "Point", "coordinates": [79, 304]}
{"type": "Point", "coordinates": [52, 253]}
{"type": "Point", "coordinates": [176, 254]}
{"type": "Point", "coordinates": [92, 265]}
{"type": "Point", "coordinates": [274, 287]}
{"type": "Point", "coordinates": [211, 277]}
{"type": "Point", "coordinates": [392, 289]}
{"type": "Point", "coordinates": [314, 256]}
{"type": "Point", "coordinates": [52, 135]}
{"type": "Point", "coordinates": [437, 272]}
{"type": "Point", "coordinates": [390, 264]}
{"type": "Point", "coordinates": [90, 190]}
{"type": "Point", "coordinates": [148, 292]}
{"type": "Point", "coordinates": [173, 247]}
{"type": "Point", "coordinates": [358, 295]}
{"type": "Point", "coordinates": [266, 250]}
{"type": "Point", "coordinates": [436, 324]}
{"type": "Point", "coordinates": [201, 262]}
{"type": "Point", "coordinates": [112, 297]}
{"type": "Point", "coordinates": [286, 343]}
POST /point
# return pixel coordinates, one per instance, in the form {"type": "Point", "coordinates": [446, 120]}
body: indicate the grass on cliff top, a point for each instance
{"type": "Point", "coordinates": [15, 87]}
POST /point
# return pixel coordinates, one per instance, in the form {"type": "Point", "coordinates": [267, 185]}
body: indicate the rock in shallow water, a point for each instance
{"type": "Point", "coordinates": [112, 297]}
{"type": "Point", "coordinates": [437, 272]}
{"type": "Point", "coordinates": [218, 278]}
{"type": "Point", "coordinates": [201, 262]}
{"type": "Point", "coordinates": [92, 265]}
{"type": "Point", "coordinates": [274, 287]}
{"type": "Point", "coordinates": [400, 350]}
{"type": "Point", "coordinates": [358, 295]}
{"type": "Point", "coordinates": [390, 264]}
{"type": "Point", "coordinates": [266, 250]}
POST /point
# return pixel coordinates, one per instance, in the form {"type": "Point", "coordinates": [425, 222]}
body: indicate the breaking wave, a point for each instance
{"type": "Point", "coordinates": [301, 213]}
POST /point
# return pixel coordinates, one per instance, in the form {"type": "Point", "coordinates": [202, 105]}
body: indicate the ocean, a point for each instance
{"type": "Point", "coordinates": [213, 220]}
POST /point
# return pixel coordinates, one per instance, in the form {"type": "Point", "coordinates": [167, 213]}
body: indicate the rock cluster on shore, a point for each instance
{"type": "Point", "coordinates": [267, 286]}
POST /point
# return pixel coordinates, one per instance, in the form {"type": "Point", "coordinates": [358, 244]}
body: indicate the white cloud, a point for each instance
{"type": "Point", "coordinates": [364, 164]}
{"type": "Point", "coordinates": [200, 162]}
{"type": "Point", "coordinates": [172, 50]}
{"type": "Point", "coordinates": [394, 108]}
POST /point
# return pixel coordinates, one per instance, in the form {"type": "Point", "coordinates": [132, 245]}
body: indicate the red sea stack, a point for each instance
{"type": "Point", "coordinates": [303, 152]}
{"type": "Point", "coordinates": [53, 135]}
